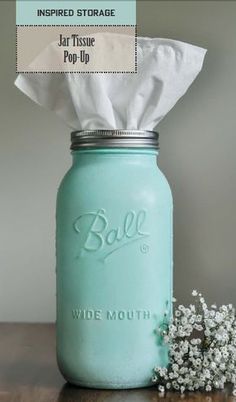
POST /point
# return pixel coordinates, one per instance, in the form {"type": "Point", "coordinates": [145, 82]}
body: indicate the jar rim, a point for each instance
{"type": "Point", "coordinates": [118, 138]}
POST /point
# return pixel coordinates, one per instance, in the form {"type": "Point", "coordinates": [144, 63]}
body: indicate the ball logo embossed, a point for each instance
{"type": "Point", "coordinates": [96, 234]}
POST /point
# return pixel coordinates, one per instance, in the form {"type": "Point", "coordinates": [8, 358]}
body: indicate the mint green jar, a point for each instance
{"type": "Point", "coordinates": [114, 260]}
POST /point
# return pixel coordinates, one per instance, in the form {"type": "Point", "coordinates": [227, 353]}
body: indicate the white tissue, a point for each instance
{"type": "Point", "coordinates": [166, 69]}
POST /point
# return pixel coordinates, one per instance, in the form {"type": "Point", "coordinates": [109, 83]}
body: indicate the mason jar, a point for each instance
{"type": "Point", "coordinates": [113, 260]}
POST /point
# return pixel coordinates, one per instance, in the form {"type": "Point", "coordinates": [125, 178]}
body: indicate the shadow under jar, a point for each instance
{"type": "Point", "coordinates": [113, 260]}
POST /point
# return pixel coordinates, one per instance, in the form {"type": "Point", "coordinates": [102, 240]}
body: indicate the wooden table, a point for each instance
{"type": "Point", "coordinates": [28, 373]}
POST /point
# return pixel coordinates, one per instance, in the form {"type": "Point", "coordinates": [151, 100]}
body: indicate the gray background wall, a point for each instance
{"type": "Point", "coordinates": [198, 142]}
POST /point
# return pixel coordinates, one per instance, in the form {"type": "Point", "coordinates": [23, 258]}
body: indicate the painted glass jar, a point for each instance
{"type": "Point", "coordinates": [113, 260]}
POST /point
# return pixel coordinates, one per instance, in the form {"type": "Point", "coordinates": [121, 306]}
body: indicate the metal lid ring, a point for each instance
{"type": "Point", "coordinates": [114, 139]}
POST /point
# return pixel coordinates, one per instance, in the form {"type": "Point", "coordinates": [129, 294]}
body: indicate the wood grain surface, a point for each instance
{"type": "Point", "coordinates": [28, 373]}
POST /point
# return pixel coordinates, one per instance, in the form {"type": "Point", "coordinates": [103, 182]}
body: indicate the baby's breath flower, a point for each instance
{"type": "Point", "coordinates": [154, 379]}
{"type": "Point", "coordinates": [202, 348]}
{"type": "Point", "coordinates": [184, 320]}
{"type": "Point", "coordinates": [177, 313]}
{"type": "Point", "coordinates": [198, 327]}
{"type": "Point", "coordinates": [202, 300]}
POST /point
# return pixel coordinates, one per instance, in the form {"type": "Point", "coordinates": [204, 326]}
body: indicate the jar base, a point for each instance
{"type": "Point", "coordinates": [108, 385]}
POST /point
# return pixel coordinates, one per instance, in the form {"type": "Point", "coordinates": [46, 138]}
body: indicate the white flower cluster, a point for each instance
{"type": "Point", "coordinates": [202, 348]}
